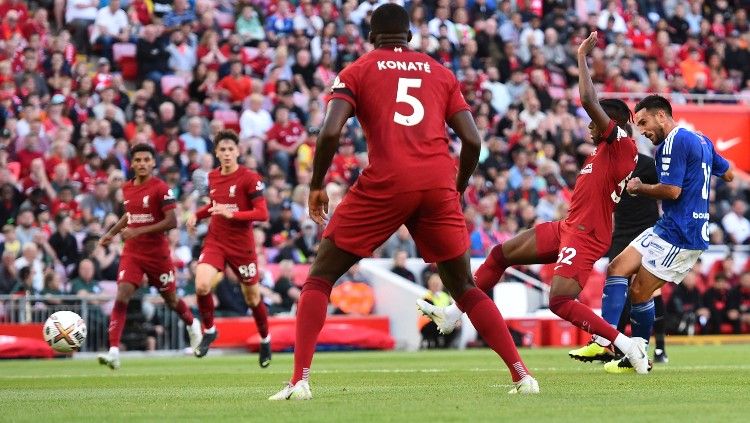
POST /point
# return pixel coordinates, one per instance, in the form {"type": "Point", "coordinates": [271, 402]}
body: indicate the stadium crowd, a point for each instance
{"type": "Point", "coordinates": [83, 80]}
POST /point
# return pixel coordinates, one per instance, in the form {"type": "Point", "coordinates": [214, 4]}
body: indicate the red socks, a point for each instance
{"type": "Point", "coordinates": [580, 315]}
{"type": "Point", "coordinates": [117, 323]}
{"type": "Point", "coordinates": [184, 312]}
{"type": "Point", "coordinates": [206, 309]}
{"type": "Point", "coordinates": [260, 314]}
{"type": "Point", "coordinates": [488, 321]}
{"type": "Point", "coordinates": [490, 272]}
{"type": "Point", "coordinates": [311, 315]}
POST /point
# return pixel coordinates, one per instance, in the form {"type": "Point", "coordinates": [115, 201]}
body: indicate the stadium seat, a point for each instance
{"type": "Point", "coordinates": [230, 118]}
{"type": "Point", "coordinates": [123, 50]}
{"type": "Point", "coordinates": [169, 82]}
{"type": "Point", "coordinates": [124, 55]}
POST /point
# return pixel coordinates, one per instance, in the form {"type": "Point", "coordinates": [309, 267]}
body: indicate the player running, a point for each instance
{"type": "Point", "coordinates": [584, 236]}
{"type": "Point", "coordinates": [236, 195]}
{"type": "Point", "coordinates": [149, 206]}
{"type": "Point", "coordinates": [402, 99]}
{"type": "Point", "coordinates": [633, 215]}
{"type": "Point", "coordinates": [685, 161]}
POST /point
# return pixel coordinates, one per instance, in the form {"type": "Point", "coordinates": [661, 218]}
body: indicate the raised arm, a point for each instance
{"type": "Point", "coordinates": [589, 101]}
{"type": "Point", "coordinates": [338, 113]}
{"type": "Point", "coordinates": [463, 125]}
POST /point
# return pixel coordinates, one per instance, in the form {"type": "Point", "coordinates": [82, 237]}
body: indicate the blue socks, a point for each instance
{"type": "Point", "coordinates": [642, 319]}
{"type": "Point", "coordinates": [613, 300]}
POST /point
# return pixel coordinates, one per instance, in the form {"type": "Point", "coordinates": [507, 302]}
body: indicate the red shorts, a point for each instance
{"type": "Point", "coordinates": [574, 252]}
{"type": "Point", "coordinates": [242, 262]}
{"type": "Point", "coordinates": [365, 220]}
{"type": "Point", "coordinates": [158, 270]}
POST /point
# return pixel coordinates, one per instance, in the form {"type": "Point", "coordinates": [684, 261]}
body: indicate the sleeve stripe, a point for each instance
{"type": "Point", "coordinates": [255, 194]}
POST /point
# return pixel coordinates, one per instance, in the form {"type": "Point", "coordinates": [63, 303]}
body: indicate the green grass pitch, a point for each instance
{"type": "Point", "coordinates": [700, 384]}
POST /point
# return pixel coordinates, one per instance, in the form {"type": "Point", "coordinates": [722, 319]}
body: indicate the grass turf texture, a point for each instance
{"type": "Point", "coordinates": [701, 383]}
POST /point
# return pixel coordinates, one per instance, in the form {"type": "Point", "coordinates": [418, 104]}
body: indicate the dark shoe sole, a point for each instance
{"type": "Point", "coordinates": [205, 344]}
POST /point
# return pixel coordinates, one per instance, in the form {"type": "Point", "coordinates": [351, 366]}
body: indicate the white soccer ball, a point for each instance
{"type": "Point", "coordinates": [64, 331]}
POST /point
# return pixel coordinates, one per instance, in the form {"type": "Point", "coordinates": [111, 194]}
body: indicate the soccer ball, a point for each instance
{"type": "Point", "coordinates": [64, 331]}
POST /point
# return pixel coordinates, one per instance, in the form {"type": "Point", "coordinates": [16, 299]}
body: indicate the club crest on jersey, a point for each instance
{"type": "Point", "coordinates": [232, 190]}
{"type": "Point", "coordinates": [145, 201]}
{"type": "Point", "coordinates": [587, 169]}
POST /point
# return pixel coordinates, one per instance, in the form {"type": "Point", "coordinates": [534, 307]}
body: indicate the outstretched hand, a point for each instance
{"type": "Point", "coordinates": [634, 185]}
{"type": "Point", "coordinates": [588, 44]}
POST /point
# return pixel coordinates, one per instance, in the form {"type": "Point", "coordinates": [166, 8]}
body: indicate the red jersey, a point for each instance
{"type": "Point", "coordinates": [237, 191]}
{"type": "Point", "coordinates": [87, 178]}
{"type": "Point", "coordinates": [145, 205]}
{"type": "Point", "coordinates": [402, 99]}
{"type": "Point", "coordinates": [601, 183]}
{"type": "Point", "coordinates": [286, 135]}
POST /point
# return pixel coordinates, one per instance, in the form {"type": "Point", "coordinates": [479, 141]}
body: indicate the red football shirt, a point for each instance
{"type": "Point", "coordinates": [286, 135]}
{"type": "Point", "coordinates": [145, 205]}
{"type": "Point", "coordinates": [402, 99]}
{"type": "Point", "coordinates": [601, 183]}
{"type": "Point", "coordinates": [236, 190]}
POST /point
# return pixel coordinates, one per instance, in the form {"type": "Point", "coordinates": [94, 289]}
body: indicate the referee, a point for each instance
{"type": "Point", "coordinates": [633, 215]}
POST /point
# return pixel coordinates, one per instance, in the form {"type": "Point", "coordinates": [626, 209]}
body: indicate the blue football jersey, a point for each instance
{"type": "Point", "coordinates": [687, 159]}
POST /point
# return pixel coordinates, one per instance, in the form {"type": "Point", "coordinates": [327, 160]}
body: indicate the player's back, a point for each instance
{"type": "Point", "coordinates": [145, 204]}
{"type": "Point", "coordinates": [402, 99]}
{"type": "Point", "coordinates": [687, 159]}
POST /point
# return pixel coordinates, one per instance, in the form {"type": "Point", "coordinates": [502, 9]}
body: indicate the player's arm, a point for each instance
{"type": "Point", "coordinates": [168, 223]}
{"type": "Point", "coordinates": [589, 101]}
{"type": "Point", "coordinates": [119, 226]}
{"type": "Point", "coordinates": [721, 167]}
{"type": "Point", "coordinates": [338, 113]}
{"type": "Point", "coordinates": [258, 213]}
{"type": "Point", "coordinates": [658, 191]}
{"type": "Point", "coordinates": [463, 125]}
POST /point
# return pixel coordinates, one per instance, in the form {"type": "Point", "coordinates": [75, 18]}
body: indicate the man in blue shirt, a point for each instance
{"type": "Point", "coordinates": [685, 161]}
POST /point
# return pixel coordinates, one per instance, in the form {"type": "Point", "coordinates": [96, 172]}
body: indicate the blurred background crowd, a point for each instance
{"type": "Point", "coordinates": [83, 80]}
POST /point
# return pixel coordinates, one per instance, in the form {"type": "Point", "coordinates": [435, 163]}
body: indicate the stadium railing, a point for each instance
{"type": "Point", "coordinates": [24, 315]}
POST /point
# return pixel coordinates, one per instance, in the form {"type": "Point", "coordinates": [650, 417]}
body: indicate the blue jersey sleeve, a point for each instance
{"type": "Point", "coordinates": [674, 160]}
{"type": "Point", "coordinates": [720, 165]}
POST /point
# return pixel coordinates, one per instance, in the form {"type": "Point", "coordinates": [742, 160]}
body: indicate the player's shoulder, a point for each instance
{"type": "Point", "coordinates": [214, 173]}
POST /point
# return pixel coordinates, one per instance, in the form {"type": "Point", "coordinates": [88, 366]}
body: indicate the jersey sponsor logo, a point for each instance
{"type": "Point", "coordinates": [231, 207]}
{"type": "Point", "coordinates": [621, 133]}
{"type": "Point", "coordinates": [405, 66]}
{"type": "Point", "coordinates": [260, 186]}
{"type": "Point", "coordinates": [140, 218]}
{"type": "Point", "coordinates": [169, 195]}
{"type": "Point", "coordinates": [145, 201]}
{"type": "Point", "coordinates": [722, 145]}
{"type": "Point", "coordinates": [700, 216]}
{"type": "Point", "coordinates": [587, 169]}
{"type": "Point", "coordinates": [232, 190]}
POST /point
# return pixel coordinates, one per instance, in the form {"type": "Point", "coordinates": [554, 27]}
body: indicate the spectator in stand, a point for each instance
{"type": "Point", "coordinates": [399, 266]}
{"type": "Point", "coordinates": [181, 13]}
{"type": "Point", "coordinates": [401, 240]}
{"type": "Point", "coordinates": [25, 283]}
{"type": "Point", "coordinates": [8, 272]}
{"type": "Point", "coordinates": [97, 204]}
{"type": "Point", "coordinates": [283, 139]}
{"type": "Point", "coordinates": [81, 15]}
{"type": "Point", "coordinates": [152, 55]}
{"type": "Point", "coordinates": [685, 307]}
{"type": "Point", "coordinates": [739, 302]}
{"type": "Point", "coordinates": [716, 300]}
{"type": "Point", "coordinates": [307, 242]}
{"type": "Point", "coordinates": [193, 139]}
{"type": "Point", "coordinates": [736, 225]}
{"type": "Point", "coordinates": [255, 122]}
{"type": "Point", "coordinates": [285, 293]}
{"type": "Point", "coordinates": [236, 86]}
{"type": "Point", "coordinates": [64, 243]}
{"type": "Point", "coordinates": [110, 26]}
{"type": "Point", "coordinates": [32, 259]}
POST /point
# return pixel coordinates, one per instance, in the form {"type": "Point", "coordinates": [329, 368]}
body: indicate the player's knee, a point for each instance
{"type": "Point", "coordinates": [202, 287]}
{"type": "Point", "coordinates": [638, 293]}
{"type": "Point", "coordinates": [252, 298]}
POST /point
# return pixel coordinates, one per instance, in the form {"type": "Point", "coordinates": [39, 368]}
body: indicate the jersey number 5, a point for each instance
{"type": "Point", "coordinates": [402, 96]}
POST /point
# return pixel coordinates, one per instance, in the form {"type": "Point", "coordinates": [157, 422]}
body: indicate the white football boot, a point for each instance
{"type": "Point", "coordinates": [446, 318]}
{"type": "Point", "coordinates": [110, 360]}
{"type": "Point", "coordinates": [195, 334]}
{"type": "Point", "coordinates": [527, 385]}
{"type": "Point", "coordinates": [638, 356]}
{"type": "Point", "coordinates": [298, 391]}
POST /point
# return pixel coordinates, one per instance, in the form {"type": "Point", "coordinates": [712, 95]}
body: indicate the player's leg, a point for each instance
{"type": "Point", "coordinates": [615, 293]}
{"type": "Point", "coordinates": [330, 263]}
{"type": "Point", "coordinates": [205, 274]}
{"type": "Point", "coordinates": [524, 248]}
{"type": "Point", "coordinates": [125, 291]}
{"type": "Point", "coordinates": [642, 311]}
{"type": "Point", "coordinates": [163, 278]}
{"type": "Point", "coordinates": [486, 318]}
{"type": "Point", "coordinates": [564, 304]}
{"type": "Point", "coordinates": [660, 332]}
{"type": "Point", "coordinates": [254, 300]}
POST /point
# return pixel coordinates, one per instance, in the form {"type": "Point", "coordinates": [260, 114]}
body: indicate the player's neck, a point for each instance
{"type": "Point", "coordinates": [394, 41]}
{"type": "Point", "coordinates": [140, 180]}
{"type": "Point", "coordinates": [669, 127]}
{"type": "Point", "coordinates": [229, 169]}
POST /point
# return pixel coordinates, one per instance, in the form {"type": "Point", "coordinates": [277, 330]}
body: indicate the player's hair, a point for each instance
{"type": "Point", "coordinates": [143, 148]}
{"type": "Point", "coordinates": [389, 18]}
{"type": "Point", "coordinates": [618, 111]}
{"type": "Point", "coordinates": [226, 134]}
{"type": "Point", "coordinates": [654, 102]}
